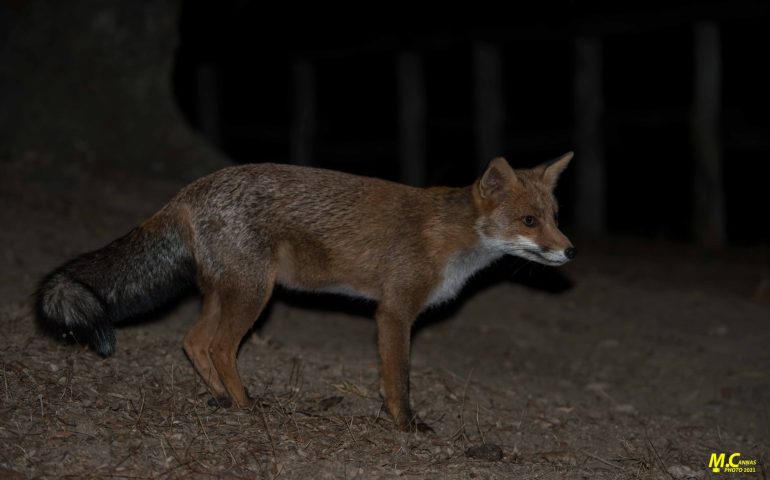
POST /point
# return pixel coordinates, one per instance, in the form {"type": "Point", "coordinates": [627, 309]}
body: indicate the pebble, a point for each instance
{"type": "Point", "coordinates": [486, 451]}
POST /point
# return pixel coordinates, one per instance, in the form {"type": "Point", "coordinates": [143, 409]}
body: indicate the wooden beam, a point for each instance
{"type": "Point", "coordinates": [589, 143]}
{"type": "Point", "coordinates": [411, 118]}
{"type": "Point", "coordinates": [709, 215]}
{"type": "Point", "coordinates": [303, 127]}
{"type": "Point", "coordinates": [489, 103]}
{"type": "Point", "coordinates": [207, 88]}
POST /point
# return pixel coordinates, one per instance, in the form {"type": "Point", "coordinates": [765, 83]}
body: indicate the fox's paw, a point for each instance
{"type": "Point", "coordinates": [225, 401]}
{"type": "Point", "coordinates": [415, 425]}
{"type": "Point", "coordinates": [222, 401]}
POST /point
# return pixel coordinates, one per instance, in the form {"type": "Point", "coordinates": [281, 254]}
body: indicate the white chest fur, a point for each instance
{"type": "Point", "coordinates": [459, 269]}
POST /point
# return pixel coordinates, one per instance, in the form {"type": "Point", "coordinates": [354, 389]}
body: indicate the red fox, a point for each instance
{"type": "Point", "coordinates": [238, 232]}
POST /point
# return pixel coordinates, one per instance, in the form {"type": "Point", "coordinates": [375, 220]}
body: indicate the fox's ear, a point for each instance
{"type": "Point", "coordinates": [498, 177]}
{"type": "Point", "coordinates": [550, 171]}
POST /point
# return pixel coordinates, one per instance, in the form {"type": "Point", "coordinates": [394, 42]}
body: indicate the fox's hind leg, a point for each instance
{"type": "Point", "coordinates": [242, 302]}
{"type": "Point", "coordinates": [197, 343]}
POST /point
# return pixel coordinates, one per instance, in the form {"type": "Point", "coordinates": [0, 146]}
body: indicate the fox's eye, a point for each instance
{"type": "Point", "coordinates": [530, 221]}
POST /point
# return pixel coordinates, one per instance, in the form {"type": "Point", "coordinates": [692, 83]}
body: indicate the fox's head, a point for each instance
{"type": "Point", "coordinates": [519, 213]}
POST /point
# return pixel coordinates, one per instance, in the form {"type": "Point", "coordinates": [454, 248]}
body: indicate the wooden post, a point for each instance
{"type": "Point", "coordinates": [411, 118]}
{"type": "Point", "coordinates": [207, 88]}
{"type": "Point", "coordinates": [489, 109]}
{"type": "Point", "coordinates": [709, 215]}
{"type": "Point", "coordinates": [589, 148]}
{"type": "Point", "coordinates": [303, 127]}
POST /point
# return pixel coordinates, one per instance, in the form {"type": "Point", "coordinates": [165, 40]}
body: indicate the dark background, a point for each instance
{"type": "Point", "coordinates": [90, 87]}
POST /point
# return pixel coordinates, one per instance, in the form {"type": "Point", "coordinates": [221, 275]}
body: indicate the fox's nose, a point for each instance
{"type": "Point", "coordinates": [570, 252]}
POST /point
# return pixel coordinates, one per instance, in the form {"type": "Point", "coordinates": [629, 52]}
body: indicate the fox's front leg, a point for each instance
{"type": "Point", "coordinates": [394, 325]}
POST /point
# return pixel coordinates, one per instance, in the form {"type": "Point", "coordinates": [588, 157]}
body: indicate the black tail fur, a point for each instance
{"type": "Point", "coordinates": [128, 277]}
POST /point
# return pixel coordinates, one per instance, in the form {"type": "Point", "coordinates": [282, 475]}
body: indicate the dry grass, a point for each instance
{"type": "Point", "coordinates": [650, 363]}
{"type": "Point", "coordinates": [143, 414]}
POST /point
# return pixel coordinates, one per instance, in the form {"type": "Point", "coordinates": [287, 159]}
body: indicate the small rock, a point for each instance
{"type": "Point", "coordinates": [683, 471]}
{"type": "Point", "coordinates": [762, 292]}
{"type": "Point", "coordinates": [720, 330]}
{"type": "Point", "coordinates": [559, 457]}
{"type": "Point", "coordinates": [486, 451]}
{"type": "Point", "coordinates": [625, 408]}
{"type": "Point", "coordinates": [330, 402]}
{"type": "Point", "coordinates": [597, 387]}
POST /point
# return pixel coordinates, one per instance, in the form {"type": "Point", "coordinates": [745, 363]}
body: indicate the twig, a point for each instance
{"type": "Point", "coordinates": [5, 380]}
{"type": "Point", "coordinates": [141, 409]}
{"type": "Point", "coordinates": [478, 428]}
{"type": "Point", "coordinates": [660, 463]}
{"type": "Point", "coordinates": [232, 458]}
{"type": "Point", "coordinates": [295, 378]}
{"type": "Point", "coordinates": [163, 448]}
{"type": "Point", "coordinates": [26, 372]}
{"type": "Point", "coordinates": [355, 442]}
{"type": "Point", "coordinates": [173, 402]}
{"type": "Point", "coordinates": [203, 429]}
{"type": "Point", "coordinates": [461, 428]}
{"type": "Point", "coordinates": [597, 457]}
{"type": "Point", "coordinates": [70, 373]}
{"type": "Point", "coordinates": [269, 437]}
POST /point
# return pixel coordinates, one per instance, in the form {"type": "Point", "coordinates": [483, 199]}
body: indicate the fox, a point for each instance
{"type": "Point", "coordinates": [242, 230]}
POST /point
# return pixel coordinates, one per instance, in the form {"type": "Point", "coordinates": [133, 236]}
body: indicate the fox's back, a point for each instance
{"type": "Point", "coordinates": [314, 221]}
{"type": "Point", "coordinates": [302, 198]}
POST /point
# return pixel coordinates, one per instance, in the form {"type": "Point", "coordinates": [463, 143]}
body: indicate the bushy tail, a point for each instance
{"type": "Point", "coordinates": [128, 277]}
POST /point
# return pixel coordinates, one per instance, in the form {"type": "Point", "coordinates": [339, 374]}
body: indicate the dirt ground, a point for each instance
{"type": "Point", "coordinates": [637, 360]}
